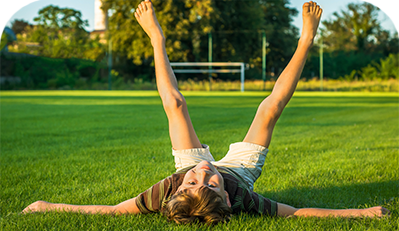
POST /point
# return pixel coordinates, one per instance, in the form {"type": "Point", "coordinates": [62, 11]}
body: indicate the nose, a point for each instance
{"type": "Point", "coordinates": [203, 172]}
{"type": "Point", "coordinates": [203, 176]}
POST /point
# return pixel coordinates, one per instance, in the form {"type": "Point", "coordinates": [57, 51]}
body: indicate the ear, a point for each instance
{"type": "Point", "coordinates": [227, 198]}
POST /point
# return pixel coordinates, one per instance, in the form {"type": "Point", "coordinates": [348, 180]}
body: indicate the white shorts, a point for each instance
{"type": "Point", "coordinates": [245, 159]}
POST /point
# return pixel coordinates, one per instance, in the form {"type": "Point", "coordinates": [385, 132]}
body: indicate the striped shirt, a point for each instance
{"type": "Point", "coordinates": [242, 199]}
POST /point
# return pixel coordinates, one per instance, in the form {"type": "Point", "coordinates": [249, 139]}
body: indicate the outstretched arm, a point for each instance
{"type": "Point", "coordinates": [286, 210]}
{"type": "Point", "coordinates": [126, 207]}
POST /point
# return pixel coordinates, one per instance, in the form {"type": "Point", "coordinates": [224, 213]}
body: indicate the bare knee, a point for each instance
{"type": "Point", "coordinates": [270, 110]}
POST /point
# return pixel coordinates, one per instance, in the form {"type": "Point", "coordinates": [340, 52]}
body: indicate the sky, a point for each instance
{"type": "Point", "coordinates": [30, 11]}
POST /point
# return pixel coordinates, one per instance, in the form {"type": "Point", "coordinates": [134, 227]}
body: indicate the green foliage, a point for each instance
{"type": "Point", "coordinates": [338, 63]}
{"type": "Point", "coordinates": [352, 29]}
{"type": "Point", "coordinates": [387, 68]}
{"type": "Point", "coordinates": [7, 37]}
{"type": "Point", "coordinates": [329, 150]}
{"type": "Point", "coordinates": [369, 72]}
{"type": "Point", "coordinates": [4, 41]}
{"type": "Point", "coordinates": [235, 28]}
{"type": "Point", "coordinates": [43, 72]}
{"type": "Point", "coordinates": [351, 76]}
{"type": "Point", "coordinates": [385, 43]}
{"type": "Point", "coordinates": [354, 42]}
{"type": "Point", "coordinates": [60, 33]}
{"type": "Point", "coordinates": [282, 35]}
{"type": "Point", "coordinates": [63, 44]}
{"type": "Point", "coordinates": [55, 18]}
{"type": "Point", "coordinates": [19, 26]}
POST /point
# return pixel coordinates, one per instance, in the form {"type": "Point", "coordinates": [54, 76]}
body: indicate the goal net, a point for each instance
{"type": "Point", "coordinates": [209, 69]}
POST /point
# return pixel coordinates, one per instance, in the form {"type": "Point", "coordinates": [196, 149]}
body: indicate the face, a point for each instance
{"type": "Point", "coordinates": [204, 174]}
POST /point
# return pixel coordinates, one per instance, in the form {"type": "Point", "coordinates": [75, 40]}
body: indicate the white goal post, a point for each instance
{"type": "Point", "coordinates": [210, 64]}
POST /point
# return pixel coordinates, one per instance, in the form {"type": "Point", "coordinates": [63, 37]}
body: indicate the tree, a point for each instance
{"type": "Point", "coordinates": [65, 31]}
{"type": "Point", "coordinates": [352, 29]}
{"type": "Point", "coordinates": [59, 33]}
{"type": "Point", "coordinates": [282, 36]}
{"type": "Point", "coordinates": [354, 42]}
{"type": "Point", "coordinates": [4, 41]}
{"type": "Point", "coordinates": [18, 26]}
{"type": "Point", "coordinates": [385, 43]}
{"type": "Point", "coordinates": [53, 17]}
{"type": "Point", "coordinates": [7, 37]}
{"type": "Point", "coordinates": [235, 27]}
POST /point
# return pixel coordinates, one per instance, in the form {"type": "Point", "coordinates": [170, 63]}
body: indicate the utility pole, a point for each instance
{"type": "Point", "coordinates": [210, 59]}
{"type": "Point", "coordinates": [109, 62]}
{"type": "Point", "coordinates": [109, 50]}
{"type": "Point", "coordinates": [321, 61]}
{"type": "Point", "coordinates": [264, 59]}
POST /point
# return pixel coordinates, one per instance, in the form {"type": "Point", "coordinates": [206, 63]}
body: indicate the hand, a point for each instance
{"type": "Point", "coordinates": [377, 211]}
{"type": "Point", "coordinates": [38, 206]}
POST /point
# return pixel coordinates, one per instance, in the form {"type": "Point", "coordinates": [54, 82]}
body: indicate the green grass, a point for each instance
{"type": "Point", "coordinates": [378, 85]}
{"type": "Point", "coordinates": [329, 150]}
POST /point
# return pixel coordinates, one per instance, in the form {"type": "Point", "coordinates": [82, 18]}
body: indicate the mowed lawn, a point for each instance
{"type": "Point", "coordinates": [329, 150]}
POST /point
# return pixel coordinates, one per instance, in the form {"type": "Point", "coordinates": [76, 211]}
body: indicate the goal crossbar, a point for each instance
{"type": "Point", "coordinates": [209, 65]}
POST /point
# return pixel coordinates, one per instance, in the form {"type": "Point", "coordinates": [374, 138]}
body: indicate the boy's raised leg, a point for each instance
{"type": "Point", "coordinates": [271, 108]}
{"type": "Point", "coordinates": [181, 130]}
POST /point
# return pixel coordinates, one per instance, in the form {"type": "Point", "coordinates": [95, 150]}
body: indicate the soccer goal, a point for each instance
{"type": "Point", "coordinates": [210, 70]}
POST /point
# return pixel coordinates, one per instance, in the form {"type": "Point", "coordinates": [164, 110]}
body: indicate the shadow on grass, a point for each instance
{"type": "Point", "coordinates": [356, 195]}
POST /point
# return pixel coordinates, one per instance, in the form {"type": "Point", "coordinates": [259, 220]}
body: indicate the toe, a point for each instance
{"type": "Point", "coordinates": [319, 10]}
{"type": "Point", "coordinates": [310, 6]}
{"type": "Point", "coordinates": [148, 3]}
{"type": "Point", "coordinates": [136, 15]}
{"type": "Point", "coordinates": [143, 6]}
{"type": "Point", "coordinates": [306, 7]}
{"type": "Point", "coordinates": [314, 6]}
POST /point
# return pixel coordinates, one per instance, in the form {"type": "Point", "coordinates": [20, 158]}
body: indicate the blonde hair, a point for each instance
{"type": "Point", "coordinates": [206, 206]}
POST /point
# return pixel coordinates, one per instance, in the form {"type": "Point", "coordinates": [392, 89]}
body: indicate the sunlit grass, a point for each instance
{"type": "Point", "coordinates": [190, 93]}
{"type": "Point", "coordinates": [329, 149]}
{"type": "Point", "coordinates": [391, 85]}
{"type": "Point", "coordinates": [378, 85]}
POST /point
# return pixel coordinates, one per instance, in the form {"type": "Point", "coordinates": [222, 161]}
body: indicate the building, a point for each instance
{"type": "Point", "coordinates": [100, 22]}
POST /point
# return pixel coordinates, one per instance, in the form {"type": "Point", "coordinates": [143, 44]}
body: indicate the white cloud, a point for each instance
{"type": "Point", "coordinates": [9, 7]}
{"type": "Point", "coordinates": [389, 6]}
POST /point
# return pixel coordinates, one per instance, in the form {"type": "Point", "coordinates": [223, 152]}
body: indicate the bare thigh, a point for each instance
{"type": "Point", "coordinates": [181, 130]}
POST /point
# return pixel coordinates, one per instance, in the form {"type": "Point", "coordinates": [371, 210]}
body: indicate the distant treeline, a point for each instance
{"type": "Point", "coordinates": [20, 71]}
{"type": "Point", "coordinates": [355, 45]}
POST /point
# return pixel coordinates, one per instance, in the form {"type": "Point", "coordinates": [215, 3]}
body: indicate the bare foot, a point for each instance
{"type": "Point", "coordinates": [145, 15]}
{"type": "Point", "coordinates": [311, 13]}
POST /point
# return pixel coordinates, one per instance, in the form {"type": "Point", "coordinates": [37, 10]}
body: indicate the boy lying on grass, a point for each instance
{"type": "Point", "coordinates": [203, 189]}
